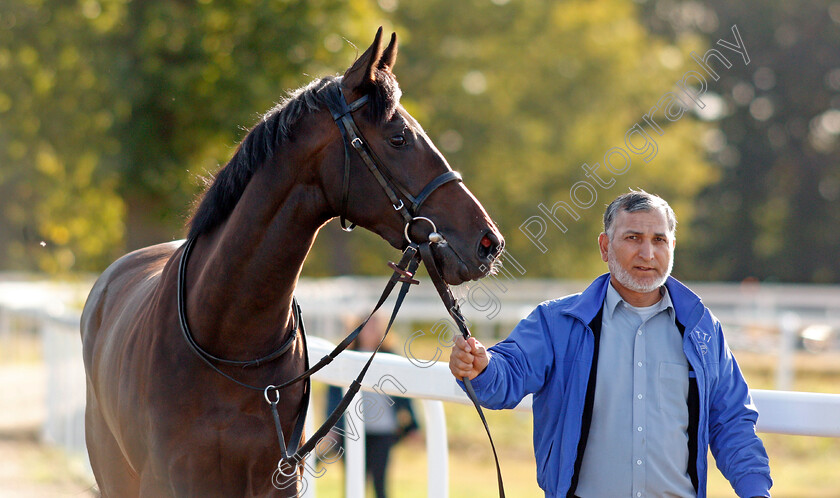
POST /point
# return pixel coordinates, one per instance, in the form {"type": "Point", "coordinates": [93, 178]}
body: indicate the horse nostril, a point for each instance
{"type": "Point", "coordinates": [489, 247]}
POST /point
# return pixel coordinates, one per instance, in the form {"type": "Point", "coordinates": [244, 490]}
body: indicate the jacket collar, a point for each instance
{"type": "Point", "coordinates": [588, 302]}
{"type": "Point", "coordinates": [687, 305]}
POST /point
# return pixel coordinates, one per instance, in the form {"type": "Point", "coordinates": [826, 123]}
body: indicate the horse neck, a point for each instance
{"type": "Point", "coordinates": [245, 272]}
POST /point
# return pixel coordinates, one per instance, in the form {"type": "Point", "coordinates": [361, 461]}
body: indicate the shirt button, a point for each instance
{"type": "Point", "coordinates": [639, 396]}
{"type": "Point", "coordinates": [638, 493]}
{"type": "Point", "coordinates": [639, 428]}
{"type": "Point", "coordinates": [638, 462]}
{"type": "Point", "coordinates": [639, 364]}
{"type": "Point", "coordinates": [639, 332]}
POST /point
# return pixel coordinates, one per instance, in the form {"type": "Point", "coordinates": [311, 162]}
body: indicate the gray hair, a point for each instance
{"type": "Point", "coordinates": [637, 200]}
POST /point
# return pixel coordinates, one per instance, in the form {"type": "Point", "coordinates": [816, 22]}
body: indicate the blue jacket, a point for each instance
{"type": "Point", "coordinates": [550, 354]}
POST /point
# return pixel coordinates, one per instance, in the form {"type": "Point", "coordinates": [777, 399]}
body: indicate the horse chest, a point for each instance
{"type": "Point", "coordinates": [232, 451]}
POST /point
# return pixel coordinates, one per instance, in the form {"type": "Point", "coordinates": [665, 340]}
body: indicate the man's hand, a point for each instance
{"type": "Point", "coordinates": [468, 358]}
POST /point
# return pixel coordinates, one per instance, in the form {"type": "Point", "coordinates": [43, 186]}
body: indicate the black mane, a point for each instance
{"type": "Point", "coordinates": [267, 136]}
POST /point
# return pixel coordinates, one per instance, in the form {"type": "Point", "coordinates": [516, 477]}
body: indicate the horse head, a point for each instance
{"type": "Point", "coordinates": [393, 181]}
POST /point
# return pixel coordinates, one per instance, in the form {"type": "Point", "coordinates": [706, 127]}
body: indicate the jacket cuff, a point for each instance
{"type": "Point", "coordinates": [753, 485]}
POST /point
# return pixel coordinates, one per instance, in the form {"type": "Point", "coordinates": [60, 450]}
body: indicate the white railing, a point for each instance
{"type": "Point", "coordinates": [781, 412]}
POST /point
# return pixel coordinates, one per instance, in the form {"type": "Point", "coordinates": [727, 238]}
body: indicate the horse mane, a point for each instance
{"type": "Point", "coordinates": [270, 133]}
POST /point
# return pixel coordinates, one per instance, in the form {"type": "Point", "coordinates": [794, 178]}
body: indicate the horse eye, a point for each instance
{"type": "Point", "coordinates": [397, 140]}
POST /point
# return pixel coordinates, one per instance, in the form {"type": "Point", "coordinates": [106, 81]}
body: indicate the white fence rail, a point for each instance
{"type": "Point", "coordinates": [781, 412]}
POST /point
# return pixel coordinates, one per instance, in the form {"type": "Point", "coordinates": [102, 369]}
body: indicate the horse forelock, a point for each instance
{"type": "Point", "coordinates": [225, 188]}
{"type": "Point", "coordinates": [385, 97]}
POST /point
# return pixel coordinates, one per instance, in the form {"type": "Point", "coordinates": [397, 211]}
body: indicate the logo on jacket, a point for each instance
{"type": "Point", "coordinates": [703, 338]}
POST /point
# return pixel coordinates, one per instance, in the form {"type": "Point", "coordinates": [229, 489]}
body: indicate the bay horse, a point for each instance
{"type": "Point", "coordinates": [159, 421]}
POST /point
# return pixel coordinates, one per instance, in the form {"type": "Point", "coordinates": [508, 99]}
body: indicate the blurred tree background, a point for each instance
{"type": "Point", "coordinates": [112, 110]}
{"type": "Point", "coordinates": [775, 210]}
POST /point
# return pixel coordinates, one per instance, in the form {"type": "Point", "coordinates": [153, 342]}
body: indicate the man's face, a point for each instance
{"type": "Point", "coordinates": [640, 254]}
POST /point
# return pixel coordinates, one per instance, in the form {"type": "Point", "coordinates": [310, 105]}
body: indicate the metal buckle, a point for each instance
{"type": "Point", "coordinates": [357, 143]}
{"type": "Point", "coordinates": [397, 208]}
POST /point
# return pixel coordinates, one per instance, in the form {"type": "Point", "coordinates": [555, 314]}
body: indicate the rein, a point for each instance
{"type": "Point", "coordinates": [455, 312]}
{"type": "Point", "coordinates": [404, 272]}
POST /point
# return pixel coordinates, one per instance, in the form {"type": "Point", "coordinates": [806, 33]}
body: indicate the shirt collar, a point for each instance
{"type": "Point", "coordinates": [613, 299]}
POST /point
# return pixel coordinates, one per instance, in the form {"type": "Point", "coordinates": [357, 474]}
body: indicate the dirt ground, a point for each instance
{"type": "Point", "coordinates": [28, 468]}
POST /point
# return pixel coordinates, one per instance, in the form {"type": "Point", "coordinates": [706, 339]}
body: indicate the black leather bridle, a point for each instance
{"type": "Point", "coordinates": [403, 273]}
{"type": "Point", "coordinates": [342, 113]}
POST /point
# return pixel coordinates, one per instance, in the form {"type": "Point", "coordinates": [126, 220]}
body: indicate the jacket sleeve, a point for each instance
{"type": "Point", "coordinates": [518, 366]}
{"type": "Point", "coordinates": [739, 453]}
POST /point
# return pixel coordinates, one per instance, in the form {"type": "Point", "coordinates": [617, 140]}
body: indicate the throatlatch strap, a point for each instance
{"type": "Point", "coordinates": [345, 184]}
{"type": "Point", "coordinates": [455, 312]}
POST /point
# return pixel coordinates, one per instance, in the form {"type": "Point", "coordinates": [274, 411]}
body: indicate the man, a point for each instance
{"type": "Point", "coordinates": [632, 378]}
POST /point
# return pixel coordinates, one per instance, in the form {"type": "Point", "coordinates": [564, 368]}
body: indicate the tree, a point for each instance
{"type": "Point", "coordinates": [772, 214]}
{"type": "Point", "coordinates": [59, 207]}
{"type": "Point", "coordinates": [520, 95]}
{"type": "Point", "coordinates": [112, 110]}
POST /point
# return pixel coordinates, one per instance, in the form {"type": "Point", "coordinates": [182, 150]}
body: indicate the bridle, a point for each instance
{"type": "Point", "coordinates": [342, 114]}
{"type": "Point", "coordinates": [403, 273]}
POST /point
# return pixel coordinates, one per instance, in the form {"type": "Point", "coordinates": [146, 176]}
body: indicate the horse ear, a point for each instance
{"type": "Point", "coordinates": [389, 56]}
{"type": "Point", "coordinates": [361, 73]}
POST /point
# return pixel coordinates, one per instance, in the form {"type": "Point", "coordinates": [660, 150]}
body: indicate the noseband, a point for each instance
{"type": "Point", "coordinates": [342, 113]}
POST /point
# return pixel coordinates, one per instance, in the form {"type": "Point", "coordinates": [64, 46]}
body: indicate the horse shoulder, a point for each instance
{"type": "Point", "coordinates": [112, 315]}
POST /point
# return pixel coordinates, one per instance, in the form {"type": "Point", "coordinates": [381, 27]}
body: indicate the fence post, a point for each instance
{"type": "Point", "coordinates": [354, 439]}
{"type": "Point", "coordinates": [788, 326]}
{"type": "Point", "coordinates": [437, 449]}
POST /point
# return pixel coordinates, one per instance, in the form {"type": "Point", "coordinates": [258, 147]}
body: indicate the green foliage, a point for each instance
{"type": "Point", "coordinates": [774, 212]}
{"type": "Point", "coordinates": [110, 110]}
{"type": "Point", "coordinates": [59, 208]}
{"type": "Point", "coordinates": [518, 95]}
{"type": "Point", "coordinates": [193, 76]}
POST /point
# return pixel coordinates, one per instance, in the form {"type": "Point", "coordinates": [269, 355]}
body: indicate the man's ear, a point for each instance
{"type": "Point", "coordinates": [604, 246]}
{"type": "Point", "coordinates": [362, 73]}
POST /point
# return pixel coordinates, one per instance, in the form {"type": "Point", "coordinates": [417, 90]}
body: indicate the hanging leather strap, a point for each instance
{"type": "Point", "coordinates": [455, 312]}
{"type": "Point", "coordinates": [337, 114]}
{"type": "Point", "coordinates": [403, 273]}
{"type": "Point", "coordinates": [339, 410]}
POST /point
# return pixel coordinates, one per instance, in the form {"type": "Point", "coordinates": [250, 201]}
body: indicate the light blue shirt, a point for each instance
{"type": "Point", "coordinates": [638, 441]}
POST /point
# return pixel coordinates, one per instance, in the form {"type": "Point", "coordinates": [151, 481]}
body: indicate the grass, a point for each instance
{"type": "Point", "coordinates": [471, 468]}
